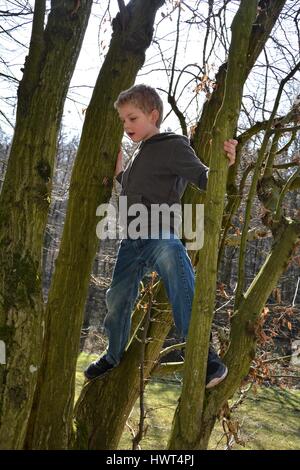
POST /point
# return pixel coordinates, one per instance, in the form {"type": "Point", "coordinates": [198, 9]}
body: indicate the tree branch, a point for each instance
{"type": "Point", "coordinates": [252, 192]}
{"type": "Point", "coordinates": [123, 14]}
{"type": "Point", "coordinates": [167, 368]}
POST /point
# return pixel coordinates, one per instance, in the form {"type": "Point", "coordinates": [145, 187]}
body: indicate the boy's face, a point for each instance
{"type": "Point", "coordinates": [138, 125]}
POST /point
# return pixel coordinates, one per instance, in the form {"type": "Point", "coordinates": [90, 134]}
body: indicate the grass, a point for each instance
{"type": "Point", "coordinates": [268, 419]}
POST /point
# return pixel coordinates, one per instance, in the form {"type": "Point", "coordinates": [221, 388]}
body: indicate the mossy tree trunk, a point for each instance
{"type": "Point", "coordinates": [187, 422]}
{"type": "Point", "coordinates": [245, 323]}
{"type": "Point", "coordinates": [105, 404]}
{"type": "Point", "coordinates": [24, 204]}
{"type": "Point", "coordinates": [91, 184]}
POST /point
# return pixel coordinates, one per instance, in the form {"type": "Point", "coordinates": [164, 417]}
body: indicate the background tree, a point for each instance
{"type": "Point", "coordinates": [24, 204]}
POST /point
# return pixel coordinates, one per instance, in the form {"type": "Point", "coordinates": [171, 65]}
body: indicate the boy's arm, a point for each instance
{"type": "Point", "coordinates": [185, 163]}
{"type": "Point", "coordinates": [119, 170]}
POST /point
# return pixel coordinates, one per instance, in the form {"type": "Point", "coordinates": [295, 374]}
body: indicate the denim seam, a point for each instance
{"type": "Point", "coordinates": [183, 275]}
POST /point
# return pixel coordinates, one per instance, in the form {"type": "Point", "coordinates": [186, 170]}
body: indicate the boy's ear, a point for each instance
{"type": "Point", "coordinates": [154, 116]}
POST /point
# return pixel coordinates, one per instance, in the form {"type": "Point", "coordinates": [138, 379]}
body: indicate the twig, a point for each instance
{"type": "Point", "coordinates": [275, 359]}
{"type": "Point", "coordinates": [296, 292]}
{"type": "Point", "coordinates": [171, 348]}
{"type": "Point", "coordinates": [141, 429]}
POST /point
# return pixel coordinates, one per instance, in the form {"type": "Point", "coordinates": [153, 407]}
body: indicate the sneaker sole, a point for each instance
{"type": "Point", "coordinates": [217, 380]}
{"type": "Point", "coordinates": [88, 379]}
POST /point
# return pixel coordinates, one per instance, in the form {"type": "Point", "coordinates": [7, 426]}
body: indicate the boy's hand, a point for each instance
{"type": "Point", "coordinates": [119, 163]}
{"type": "Point", "coordinates": [230, 149]}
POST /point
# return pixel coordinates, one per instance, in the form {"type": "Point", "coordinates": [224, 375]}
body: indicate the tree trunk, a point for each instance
{"type": "Point", "coordinates": [24, 205]}
{"type": "Point", "coordinates": [244, 323]}
{"type": "Point", "coordinates": [105, 404]}
{"type": "Point", "coordinates": [186, 430]}
{"type": "Point", "coordinates": [51, 421]}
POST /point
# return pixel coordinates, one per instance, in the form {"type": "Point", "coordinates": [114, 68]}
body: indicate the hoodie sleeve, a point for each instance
{"type": "Point", "coordinates": [186, 164]}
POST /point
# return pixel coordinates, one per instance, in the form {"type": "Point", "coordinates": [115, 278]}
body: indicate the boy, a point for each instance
{"type": "Point", "coordinates": [158, 174]}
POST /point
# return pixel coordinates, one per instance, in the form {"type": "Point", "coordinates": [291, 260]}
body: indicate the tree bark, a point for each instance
{"type": "Point", "coordinates": [186, 430]}
{"type": "Point", "coordinates": [91, 184]}
{"type": "Point", "coordinates": [24, 205]}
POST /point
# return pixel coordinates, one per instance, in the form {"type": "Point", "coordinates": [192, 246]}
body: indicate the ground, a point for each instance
{"type": "Point", "coordinates": [268, 418]}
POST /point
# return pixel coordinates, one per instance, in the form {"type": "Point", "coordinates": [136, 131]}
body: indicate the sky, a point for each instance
{"type": "Point", "coordinates": [92, 56]}
{"type": "Point", "coordinates": [91, 59]}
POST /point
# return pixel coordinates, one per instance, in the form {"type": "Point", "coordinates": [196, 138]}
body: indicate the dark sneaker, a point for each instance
{"type": "Point", "coordinates": [98, 368]}
{"type": "Point", "coordinates": [216, 370]}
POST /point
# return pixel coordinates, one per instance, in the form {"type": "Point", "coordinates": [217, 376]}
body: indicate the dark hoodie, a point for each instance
{"type": "Point", "coordinates": [160, 170]}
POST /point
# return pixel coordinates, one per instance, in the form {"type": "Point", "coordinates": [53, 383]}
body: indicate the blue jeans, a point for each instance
{"type": "Point", "coordinates": [169, 258]}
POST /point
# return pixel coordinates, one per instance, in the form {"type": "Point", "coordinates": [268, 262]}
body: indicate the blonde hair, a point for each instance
{"type": "Point", "coordinates": [143, 97]}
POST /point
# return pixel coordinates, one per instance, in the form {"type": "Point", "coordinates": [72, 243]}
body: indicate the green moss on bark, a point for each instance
{"type": "Point", "coordinates": [22, 282]}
